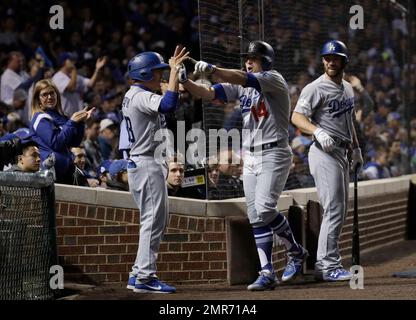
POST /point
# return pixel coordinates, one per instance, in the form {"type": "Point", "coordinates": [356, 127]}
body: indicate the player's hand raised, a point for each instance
{"type": "Point", "coordinates": [178, 57]}
{"type": "Point", "coordinates": [204, 67]}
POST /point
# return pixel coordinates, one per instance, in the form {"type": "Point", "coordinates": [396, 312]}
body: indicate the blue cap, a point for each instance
{"type": "Point", "coordinates": [118, 166]}
{"type": "Point", "coordinates": [393, 116]}
{"type": "Point", "coordinates": [64, 56]}
{"type": "Point", "coordinates": [103, 167]}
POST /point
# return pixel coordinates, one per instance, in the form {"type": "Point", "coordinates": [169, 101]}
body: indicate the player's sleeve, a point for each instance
{"type": "Point", "coordinates": [61, 81]}
{"type": "Point", "coordinates": [226, 92]}
{"type": "Point", "coordinates": [147, 102]}
{"type": "Point", "coordinates": [267, 81]}
{"type": "Point", "coordinates": [308, 100]}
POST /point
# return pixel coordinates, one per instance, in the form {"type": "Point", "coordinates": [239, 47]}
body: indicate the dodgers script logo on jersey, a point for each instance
{"type": "Point", "coordinates": [338, 108]}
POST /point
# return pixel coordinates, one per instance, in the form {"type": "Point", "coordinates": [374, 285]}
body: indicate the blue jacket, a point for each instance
{"type": "Point", "coordinates": [55, 133]}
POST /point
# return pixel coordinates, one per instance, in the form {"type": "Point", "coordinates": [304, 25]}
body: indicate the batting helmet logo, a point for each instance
{"type": "Point", "coordinates": [262, 50]}
{"type": "Point", "coordinates": [141, 66]}
{"type": "Point", "coordinates": [335, 47]}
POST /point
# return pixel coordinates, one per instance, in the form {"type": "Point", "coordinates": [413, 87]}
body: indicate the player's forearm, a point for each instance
{"type": "Point", "coordinates": [72, 85]}
{"type": "Point", "coordinates": [199, 90]}
{"type": "Point", "coordinates": [233, 76]}
{"type": "Point", "coordinates": [303, 123]}
{"type": "Point", "coordinates": [355, 143]}
{"type": "Point", "coordinates": [93, 79]}
{"type": "Point", "coordinates": [173, 84]}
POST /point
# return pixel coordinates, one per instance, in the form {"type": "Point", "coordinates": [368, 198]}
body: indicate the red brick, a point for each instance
{"type": "Point", "coordinates": [97, 277]}
{"type": "Point", "coordinates": [59, 241]}
{"type": "Point", "coordinates": [92, 259]}
{"type": "Point", "coordinates": [62, 231]}
{"type": "Point", "coordinates": [57, 204]}
{"type": "Point", "coordinates": [209, 225]}
{"type": "Point", "coordinates": [193, 237]}
{"type": "Point", "coordinates": [195, 275]}
{"type": "Point", "coordinates": [128, 216]}
{"type": "Point", "coordinates": [132, 229]}
{"type": "Point", "coordinates": [112, 239]}
{"type": "Point", "coordinates": [90, 240]}
{"type": "Point", "coordinates": [130, 258]}
{"type": "Point", "coordinates": [113, 258]}
{"type": "Point", "coordinates": [131, 248]}
{"type": "Point", "coordinates": [215, 246]}
{"type": "Point", "coordinates": [129, 239]}
{"type": "Point", "coordinates": [165, 275]}
{"type": "Point", "coordinates": [73, 210]}
{"type": "Point", "coordinates": [82, 210]}
{"type": "Point", "coordinates": [113, 230]}
{"type": "Point", "coordinates": [215, 265]}
{"type": "Point", "coordinates": [110, 213]}
{"type": "Point", "coordinates": [91, 230]}
{"type": "Point", "coordinates": [195, 266]}
{"type": "Point", "coordinates": [90, 268]}
{"type": "Point", "coordinates": [89, 222]}
{"type": "Point", "coordinates": [195, 256]}
{"type": "Point", "coordinates": [59, 221]}
{"type": "Point", "coordinates": [214, 236]}
{"type": "Point", "coordinates": [173, 221]}
{"type": "Point", "coordinates": [91, 212]}
{"type": "Point", "coordinates": [69, 222]}
{"type": "Point", "coordinates": [201, 225]}
{"type": "Point", "coordinates": [70, 241]}
{"type": "Point", "coordinates": [63, 208]}
{"type": "Point", "coordinates": [183, 223]}
{"type": "Point", "coordinates": [70, 260]}
{"type": "Point", "coordinates": [71, 250]}
{"type": "Point", "coordinates": [180, 275]}
{"type": "Point", "coordinates": [174, 266]}
{"type": "Point", "coordinates": [219, 224]}
{"type": "Point", "coordinates": [162, 266]}
{"type": "Point", "coordinates": [192, 224]}
{"type": "Point", "coordinates": [163, 247]}
{"type": "Point", "coordinates": [91, 249]}
{"type": "Point", "coordinates": [100, 213]}
{"type": "Point", "coordinates": [195, 246]}
{"type": "Point", "coordinates": [174, 247]}
{"type": "Point", "coordinates": [215, 256]}
{"type": "Point", "coordinates": [116, 267]}
{"type": "Point", "coordinates": [119, 215]}
{"type": "Point", "coordinates": [220, 275]}
{"type": "Point", "coordinates": [173, 256]}
{"type": "Point", "coordinates": [113, 248]}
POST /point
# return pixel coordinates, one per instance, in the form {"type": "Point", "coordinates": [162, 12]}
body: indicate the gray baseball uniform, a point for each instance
{"type": "Point", "coordinates": [266, 115]}
{"type": "Point", "coordinates": [330, 106]}
{"type": "Point", "coordinates": [146, 176]}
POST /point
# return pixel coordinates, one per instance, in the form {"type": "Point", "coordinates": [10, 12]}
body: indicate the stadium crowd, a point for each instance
{"type": "Point", "coordinates": [87, 62]}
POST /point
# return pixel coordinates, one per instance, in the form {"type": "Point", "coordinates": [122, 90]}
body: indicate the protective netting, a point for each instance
{"type": "Point", "coordinates": [379, 53]}
{"type": "Point", "coordinates": [27, 237]}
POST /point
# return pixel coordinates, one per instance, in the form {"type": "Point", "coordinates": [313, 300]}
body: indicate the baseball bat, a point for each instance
{"type": "Point", "coordinates": [355, 229]}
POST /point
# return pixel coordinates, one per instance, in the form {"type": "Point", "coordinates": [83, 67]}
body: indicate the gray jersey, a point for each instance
{"type": "Point", "coordinates": [329, 106]}
{"type": "Point", "coordinates": [142, 118]}
{"type": "Point", "coordinates": [268, 111]}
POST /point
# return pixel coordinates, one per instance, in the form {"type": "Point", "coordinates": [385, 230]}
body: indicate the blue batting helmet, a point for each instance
{"type": "Point", "coordinates": [140, 67]}
{"type": "Point", "coordinates": [337, 48]}
{"type": "Point", "coordinates": [262, 50]}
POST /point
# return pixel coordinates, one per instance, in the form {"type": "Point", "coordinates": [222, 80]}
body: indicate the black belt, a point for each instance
{"type": "Point", "coordinates": [338, 143]}
{"type": "Point", "coordinates": [265, 146]}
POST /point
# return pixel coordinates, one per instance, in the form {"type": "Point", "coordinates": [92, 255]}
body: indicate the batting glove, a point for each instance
{"type": "Point", "coordinates": [324, 139]}
{"type": "Point", "coordinates": [204, 67]}
{"type": "Point", "coordinates": [357, 158]}
{"type": "Point", "coordinates": [182, 76]}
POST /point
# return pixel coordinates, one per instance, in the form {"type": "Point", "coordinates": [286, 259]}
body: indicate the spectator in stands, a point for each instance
{"type": "Point", "coordinates": [103, 174]}
{"type": "Point", "coordinates": [71, 85]}
{"type": "Point", "coordinates": [176, 169]}
{"type": "Point", "coordinates": [377, 169]}
{"type": "Point", "coordinates": [29, 158]}
{"type": "Point", "coordinates": [108, 139]}
{"type": "Point", "coordinates": [398, 159]}
{"type": "Point", "coordinates": [118, 173]}
{"type": "Point", "coordinates": [12, 77]}
{"type": "Point", "coordinates": [81, 177]}
{"type": "Point", "coordinates": [53, 131]}
{"type": "Point", "coordinates": [91, 145]}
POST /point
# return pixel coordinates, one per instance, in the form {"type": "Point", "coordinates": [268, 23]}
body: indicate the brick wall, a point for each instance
{"type": "Point", "coordinates": [99, 244]}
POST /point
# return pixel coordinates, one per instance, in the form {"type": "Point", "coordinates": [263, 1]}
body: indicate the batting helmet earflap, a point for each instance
{"type": "Point", "coordinates": [335, 47]}
{"type": "Point", "coordinates": [140, 66]}
{"type": "Point", "coordinates": [264, 51]}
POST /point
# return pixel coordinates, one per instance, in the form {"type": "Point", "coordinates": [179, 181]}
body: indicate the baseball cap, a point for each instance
{"type": "Point", "coordinates": [64, 56]}
{"type": "Point", "coordinates": [393, 116]}
{"type": "Point", "coordinates": [103, 167]}
{"type": "Point", "coordinates": [117, 166]}
{"type": "Point", "coordinates": [105, 123]}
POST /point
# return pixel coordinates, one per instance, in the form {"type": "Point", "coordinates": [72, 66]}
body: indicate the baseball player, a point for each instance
{"type": "Point", "coordinates": [264, 102]}
{"type": "Point", "coordinates": [143, 111]}
{"type": "Point", "coordinates": [325, 110]}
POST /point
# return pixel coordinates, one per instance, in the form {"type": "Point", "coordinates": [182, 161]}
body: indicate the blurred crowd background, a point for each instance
{"type": "Point", "coordinates": [100, 37]}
